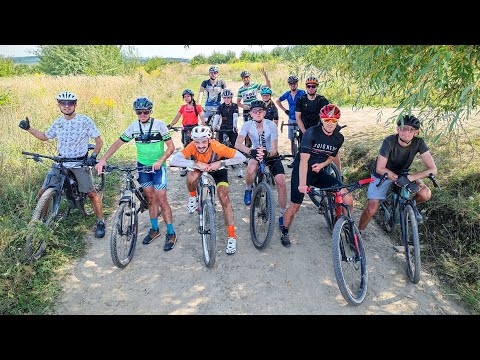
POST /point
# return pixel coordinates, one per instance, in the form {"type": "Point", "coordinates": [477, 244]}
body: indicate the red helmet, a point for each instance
{"type": "Point", "coordinates": [330, 111]}
{"type": "Point", "coordinates": [311, 80]}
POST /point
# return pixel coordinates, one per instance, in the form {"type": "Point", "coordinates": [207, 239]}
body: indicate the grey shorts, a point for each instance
{"type": "Point", "coordinates": [209, 111]}
{"type": "Point", "coordinates": [83, 176]}
{"type": "Point", "coordinates": [378, 193]}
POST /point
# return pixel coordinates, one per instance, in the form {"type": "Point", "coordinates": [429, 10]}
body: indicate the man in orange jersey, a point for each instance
{"type": "Point", "coordinates": [206, 154]}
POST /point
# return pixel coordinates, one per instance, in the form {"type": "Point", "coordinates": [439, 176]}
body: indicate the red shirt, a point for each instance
{"type": "Point", "coordinates": [188, 115]}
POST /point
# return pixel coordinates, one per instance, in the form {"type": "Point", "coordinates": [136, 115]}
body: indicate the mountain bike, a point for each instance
{"type": "Point", "coordinates": [348, 253]}
{"type": "Point", "coordinates": [262, 210]}
{"type": "Point", "coordinates": [62, 184]}
{"type": "Point", "coordinates": [399, 208]}
{"type": "Point", "coordinates": [124, 229]}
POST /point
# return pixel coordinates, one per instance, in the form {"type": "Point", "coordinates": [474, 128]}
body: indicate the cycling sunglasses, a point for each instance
{"type": "Point", "coordinates": [330, 120]}
{"type": "Point", "coordinates": [311, 86]}
{"type": "Point", "coordinates": [144, 112]}
{"type": "Point", "coordinates": [67, 103]}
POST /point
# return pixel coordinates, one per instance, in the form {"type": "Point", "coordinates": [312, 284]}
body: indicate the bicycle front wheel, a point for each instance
{"type": "Point", "coordinates": [349, 262]}
{"type": "Point", "coordinates": [262, 216]}
{"type": "Point", "coordinates": [411, 242]}
{"type": "Point", "coordinates": [43, 217]}
{"type": "Point", "coordinates": [209, 237]}
{"type": "Point", "coordinates": [123, 235]}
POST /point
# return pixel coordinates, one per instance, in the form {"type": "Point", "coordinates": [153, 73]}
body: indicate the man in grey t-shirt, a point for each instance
{"type": "Point", "coordinates": [395, 157]}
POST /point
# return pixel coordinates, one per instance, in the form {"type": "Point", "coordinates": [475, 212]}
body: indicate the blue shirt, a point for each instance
{"type": "Point", "coordinates": [292, 102]}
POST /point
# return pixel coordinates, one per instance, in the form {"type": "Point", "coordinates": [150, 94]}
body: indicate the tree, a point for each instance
{"type": "Point", "coordinates": [439, 82]}
{"type": "Point", "coordinates": [86, 59]}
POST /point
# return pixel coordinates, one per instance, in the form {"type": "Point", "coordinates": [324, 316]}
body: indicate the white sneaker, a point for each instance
{"type": "Point", "coordinates": [231, 246]}
{"type": "Point", "coordinates": [192, 204]}
{"type": "Point", "coordinates": [240, 173]}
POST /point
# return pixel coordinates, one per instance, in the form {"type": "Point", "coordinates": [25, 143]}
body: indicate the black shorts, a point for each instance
{"type": "Point", "coordinates": [320, 179]}
{"type": "Point", "coordinates": [220, 176]}
{"type": "Point", "coordinates": [275, 165]}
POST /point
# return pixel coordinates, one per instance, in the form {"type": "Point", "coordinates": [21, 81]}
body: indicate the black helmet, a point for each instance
{"type": "Point", "coordinates": [410, 120]}
{"type": "Point", "coordinates": [292, 79]}
{"type": "Point", "coordinates": [187, 91]}
{"type": "Point", "coordinates": [258, 103]}
{"type": "Point", "coordinates": [244, 73]}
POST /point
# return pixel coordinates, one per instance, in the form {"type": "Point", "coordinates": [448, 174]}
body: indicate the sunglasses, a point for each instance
{"type": "Point", "coordinates": [256, 111]}
{"type": "Point", "coordinates": [408, 129]}
{"type": "Point", "coordinates": [330, 120]}
{"type": "Point", "coordinates": [144, 112]}
{"type": "Point", "coordinates": [213, 72]}
{"type": "Point", "coordinates": [311, 86]}
{"type": "Point", "coordinates": [67, 103]}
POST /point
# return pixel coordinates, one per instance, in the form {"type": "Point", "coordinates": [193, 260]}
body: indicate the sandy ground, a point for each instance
{"type": "Point", "coordinates": [277, 280]}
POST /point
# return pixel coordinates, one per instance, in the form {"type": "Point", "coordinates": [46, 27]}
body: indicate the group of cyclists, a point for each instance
{"type": "Point", "coordinates": [257, 140]}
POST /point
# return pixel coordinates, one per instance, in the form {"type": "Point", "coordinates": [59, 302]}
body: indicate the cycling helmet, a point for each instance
{"type": "Point", "coordinates": [142, 103]}
{"type": "Point", "coordinates": [311, 80]}
{"type": "Point", "coordinates": [213, 68]}
{"type": "Point", "coordinates": [410, 120]}
{"type": "Point", "coordinates": [292, 79]}
{"type": "Point", "coordinates": [330, 111]}
{"type": "Point", "coordinates": [201, 132]}
{"type": "Point", "coordinates": [227, 93]}
{"type": "Point", "coordinates": [187, 91]}
{"type": "Point", "coordinates": [244, 73]}
{"type": "Point", "coordinates": [266, 91]}
{"type": "Point", "coordinates": [66, 95]}
{"type": "Point", "coordinates": [258, 103]}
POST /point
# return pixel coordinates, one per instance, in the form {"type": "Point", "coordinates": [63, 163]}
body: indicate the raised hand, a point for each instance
{"type": "Point", "coordinates": [24, 124]}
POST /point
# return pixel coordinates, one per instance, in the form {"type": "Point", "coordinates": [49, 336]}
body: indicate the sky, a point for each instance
{"type": "Point", "coordinates": [175, 51]}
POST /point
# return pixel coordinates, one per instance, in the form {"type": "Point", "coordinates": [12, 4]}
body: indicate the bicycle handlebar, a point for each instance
{"type": "Point", "coordinates": [351, 187]}
{"type": "Point", "coordinates": [430, 176]}
{"type": "Point", "coordinates": [36, 157]}
{"type": "Point", "coordinates": [287, 124]}
{"type": "Point", "coordinates": [145, 169]}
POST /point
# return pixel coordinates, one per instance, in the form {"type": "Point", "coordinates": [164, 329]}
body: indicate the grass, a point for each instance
{"type": "Point", "coordinates": [450, 230]}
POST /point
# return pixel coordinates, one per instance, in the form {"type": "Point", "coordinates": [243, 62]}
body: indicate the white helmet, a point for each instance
{"type": "Point", "coordinates": [227, 93]}
{"type": "Point", "coordinates": [66, 95]}
{"type": "Point", "coordinates": [201, 132]}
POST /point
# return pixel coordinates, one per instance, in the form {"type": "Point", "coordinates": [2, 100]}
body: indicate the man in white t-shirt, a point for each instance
{"type": "Point", "coordinates": [73, 131]}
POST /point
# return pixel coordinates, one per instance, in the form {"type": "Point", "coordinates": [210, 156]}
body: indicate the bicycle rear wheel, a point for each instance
{"type": "Point", "coordinates": [262, 216]}
{"type": "Point", "coordinates": [43, 217]}
{"type": "Point", "coordinates": [209, 237]}
{"type": "Point", "coordinates": [349, 262]}
{"type": "Point", "coordinates": [123, 235]}
{"type": "Point", "coordinates": [411, 242]}
{"type": "Point", "coordinates": [99, 185]}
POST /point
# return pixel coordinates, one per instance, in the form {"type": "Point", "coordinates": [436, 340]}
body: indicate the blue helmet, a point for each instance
{"type": "Point", "coordinates": [244, 73]}
{"type": "Point", "coordinates": [266, 91]}
{"type": "Point", "coordinates": [142, 103]}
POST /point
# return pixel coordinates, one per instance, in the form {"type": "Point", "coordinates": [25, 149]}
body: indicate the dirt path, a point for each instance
{"type": "Point", "coordinates": [277, 280]}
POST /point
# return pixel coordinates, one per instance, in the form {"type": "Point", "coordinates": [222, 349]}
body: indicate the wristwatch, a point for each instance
{"type": "Point", "coordinates": [222, 163]}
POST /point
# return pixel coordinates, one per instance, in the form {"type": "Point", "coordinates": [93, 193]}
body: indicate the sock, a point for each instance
{"type": "Point", "coordinates": [170, 229]}
{"type": "Point", "coordinates": [248, 187]}
{"type": "Point", "coordinates": [154, 223]}
{"type": "Point", "coordinates": [102, 219]}
{"type": "Point", "coordinates": [231, 231]}
{"type": "Point", "coordinates": [282, 211]}
{"type": "Point", "coordinates": [285, 230]}
{"type": "Point", "coordinates": [193, 193]}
